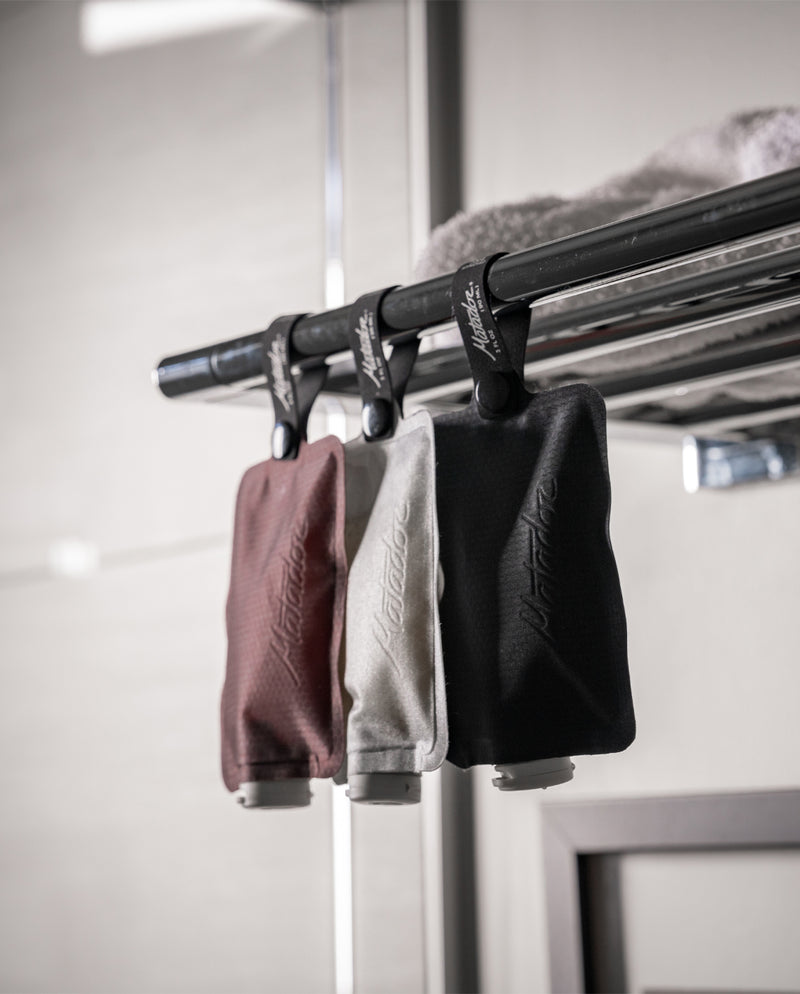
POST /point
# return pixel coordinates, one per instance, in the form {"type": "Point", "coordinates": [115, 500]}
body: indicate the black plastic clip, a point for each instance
{"type": "Point", "coordinates": [495, 344]}
{"type": "Point", "coordinates": [382, 384]}
{"type": "Point", "coordinates": [291, 400]}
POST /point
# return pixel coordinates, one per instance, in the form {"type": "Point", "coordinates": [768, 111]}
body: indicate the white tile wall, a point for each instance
{"type": "Point", "coordinates": [389, 919]}
{"type": "Point", "coordinates": [562, 96]}
{"type": "Point", "coordinates": [587, 90]}
{"type": "Point", "coordinates": [375, 147]}
{"type": "Point", "coordinates": [711, 921]}
{"type": "Point", "coordinates": [710, 584]}
{"type": "Point", "coordinates": [152, 200]}
{"type": "Point", "coordinates": [125, 864]}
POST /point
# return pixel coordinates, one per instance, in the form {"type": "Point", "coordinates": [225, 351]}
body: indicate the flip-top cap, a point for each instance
{"type": "Point", "coordinates": [385, 788]}
{"type": "Point", "coordinates": [539, 773]}
{"type": "Point", "coordinates": [274, 794]}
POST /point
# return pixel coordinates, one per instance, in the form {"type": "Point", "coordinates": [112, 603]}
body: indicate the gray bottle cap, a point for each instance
{"type": "Point", "coordinates": [385, 788]}
{"type": "Point", "coordinates": [538, 773]}
{"type": "Point", "coordinates": [274, 794]}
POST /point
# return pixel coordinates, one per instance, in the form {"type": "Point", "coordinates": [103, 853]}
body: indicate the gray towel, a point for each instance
{"type": "Point", "coordinates": [742, 147]}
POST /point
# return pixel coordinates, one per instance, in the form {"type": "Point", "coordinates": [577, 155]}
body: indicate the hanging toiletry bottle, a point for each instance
{"type": "Point", "coordinates": [397, 725]}
{"type": "Point", "coordinates": [282, 718]}
{"type": "Point", "coordinates": [533, 624]}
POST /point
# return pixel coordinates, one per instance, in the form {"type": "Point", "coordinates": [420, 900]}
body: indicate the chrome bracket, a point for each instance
{"type": "Point", "coordinates": [716, 464]}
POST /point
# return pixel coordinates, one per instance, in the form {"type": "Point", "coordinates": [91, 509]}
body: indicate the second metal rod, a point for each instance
{"type": "Point", "coordinates": [612, 250]}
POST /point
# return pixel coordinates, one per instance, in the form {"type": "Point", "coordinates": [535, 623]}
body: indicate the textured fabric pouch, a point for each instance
{"type": "Point", "coordinates": [282, 720]}
{"type": "Point", "coordinates": [533, 624]}
{"type": "Point", "coordinates": [397, 725]}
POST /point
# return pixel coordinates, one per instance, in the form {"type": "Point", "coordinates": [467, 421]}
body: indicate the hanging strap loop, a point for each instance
{"type": "Point", "coordinates": [291, 399]}
{"type": "Point", "coordinates": [495, 344]}
{"type": "Point", "coordinates": [382, 384]}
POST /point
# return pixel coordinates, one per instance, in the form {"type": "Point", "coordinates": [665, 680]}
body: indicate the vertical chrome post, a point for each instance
{"type": "Point", "coordinates": [334, 196]}
{"type": "Point", "coordinates": [457, 866]}
{"type": "Point", "coordinates": [334, 297]}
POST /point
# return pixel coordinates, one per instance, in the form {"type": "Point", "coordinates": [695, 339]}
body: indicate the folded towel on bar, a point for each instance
{"type": "Point", "coordinates": [744, 146]}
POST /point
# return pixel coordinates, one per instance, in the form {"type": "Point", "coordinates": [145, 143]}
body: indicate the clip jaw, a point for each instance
{"type": "Point", "coordinates": [495, 344]}
{"type": "Point", "coordinates": [378, 419]}
{"type": "Point", "coordinates": [285, 441]}
{"type": "Point", "coordinates": [291, 401]}
{"type": "Point", "coordinates": [496, 393]}
{"type": "Point", "coordinates": [382, 384]}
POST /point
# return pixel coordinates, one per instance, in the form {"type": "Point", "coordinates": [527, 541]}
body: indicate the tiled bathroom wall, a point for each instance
{"type": "Point", "coordinates": [589, 90]}
{"type": "Point", "coordinates": [153, 199]}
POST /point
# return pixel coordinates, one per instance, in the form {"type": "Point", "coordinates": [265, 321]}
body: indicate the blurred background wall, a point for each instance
{"type": "Point", "coordinates": [160, 197]}
{"type": "Point", "coordinates": [155, 198]}
{"type": "Point", "coordinates": [145, 205]}
{"type": "Point", "coordinates": [559, 98]}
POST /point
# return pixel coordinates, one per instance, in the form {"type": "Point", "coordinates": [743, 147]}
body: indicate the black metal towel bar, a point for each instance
{"type": "Point", "coordinates": [702, 223]}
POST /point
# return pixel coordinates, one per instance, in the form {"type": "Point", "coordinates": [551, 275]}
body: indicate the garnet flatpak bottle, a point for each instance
{"type": "Point", "coordinates": [282, 719]}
